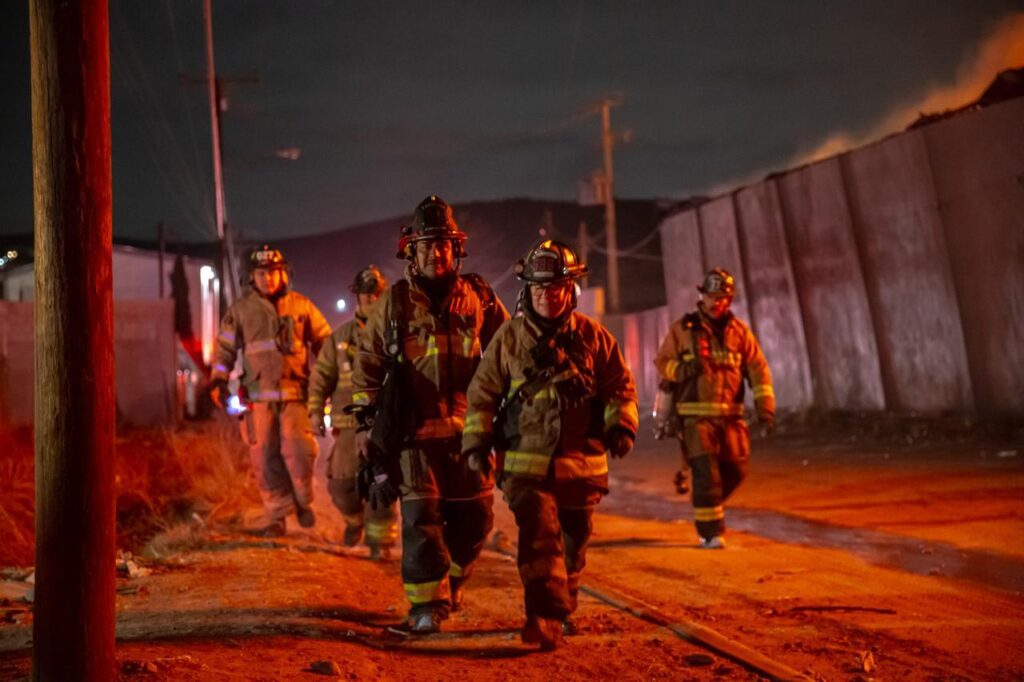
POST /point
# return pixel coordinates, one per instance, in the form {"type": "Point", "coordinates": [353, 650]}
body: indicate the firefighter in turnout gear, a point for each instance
{"type": "Point", "coordinates": [707, 355]}
{"type": "Point", "coordinates": [434, 324]}
{"type": "Point", "coordinates": [276, 331]}
{"type": "Point", "coordinates": [552, 398]}
{"type": "Point", "coordinates": [332, 379]}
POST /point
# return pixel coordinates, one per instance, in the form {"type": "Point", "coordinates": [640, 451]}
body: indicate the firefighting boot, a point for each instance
{"type": "Point", "coordinates": [381, 553]}
{"type": "Point", "coordinates": [307, 519]}
{"type": "Point", "coordinates": [544, 631]}
{"type": "Point", "coordinates": [458, 593]}
{"type": "Point", "coordinates": [353, 534]}
{"type": "Point", "coordinates": [425, 621]}
{"type": "Point", "coordinates": [714, 542]}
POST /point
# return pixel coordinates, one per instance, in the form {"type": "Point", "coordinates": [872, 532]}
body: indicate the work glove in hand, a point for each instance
{"type": "Point", "coordinates": [219, 393]}
{"type": "Point", "coordinates": [619, 442]}
{"type": "Point", "coordinates": [480, 460]}
{"type": "Point", "coordinates": [316, 420]}
{"type": "Point", "coordinates": [383, 492]}
{"type": "Point", "coordinates": [767, 422]}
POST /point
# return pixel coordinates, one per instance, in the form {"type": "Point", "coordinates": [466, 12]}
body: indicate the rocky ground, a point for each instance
{"type": "Point", "coordinates": [849, 558]}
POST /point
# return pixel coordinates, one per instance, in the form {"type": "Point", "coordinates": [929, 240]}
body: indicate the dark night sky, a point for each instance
{"type": "Point", "coordinates": [391, 101]}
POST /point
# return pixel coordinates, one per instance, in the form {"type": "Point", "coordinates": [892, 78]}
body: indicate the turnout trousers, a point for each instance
{"type": "Point", "coordinates": [555, 520]}
{"type": "Point", "coordinates": [718, 450]}
{"type": "Point", "coordinates": [281, 454]}
{"type": "Point", "coordinates": [381, 525]}
{"type": "Point", "coordinates": [446, 516]}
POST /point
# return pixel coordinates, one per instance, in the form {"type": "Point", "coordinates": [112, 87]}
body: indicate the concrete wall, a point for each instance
{"type": "Point", "coordinates": [908, 277]}
{"type": "Point", "coordinates": [145, 362]}
{"type": "Point", "coordinates": [639, 336]}
{"type": "Point", "coordinates": [774, 307]}
{"type": "Point", "coordinates": [891, 277]}
{"type": "Point", "coordinates": [837, 319]}
{"type": "Point", "coordinates": [683, 261]}
{"type": "Point", "coordinates": [977, 162]}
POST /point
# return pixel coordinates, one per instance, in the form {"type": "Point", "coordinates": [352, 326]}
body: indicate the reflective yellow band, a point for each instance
{"type": "Point", "coordinates": [226, 335]}
{"type": "Point", "coordinates": [424, 593]}
{"type": "Point", "coordinates": [589, 466]}
{"type": "Point", "coordinates": [353, 520]}
{"type": "Point", "coordinates": [343, 421]}
{"type": "Point", "coordinates": [479, 421]}
{"type": "Point", "coordinates": [709, 513]}
{"type": "Point", "coordinates": [455, 570]}
{"type": "Point", "coordinates": [724, 357]}
{"type": "Point", "coordinates": [624, 414]}
{"type": "Point", "coordinates": [710, 409]}
{"type": "Point", "coordinates": [763, 391]}
{"type": "Point", "coordinates": [671, 367]}
{"type": "Point", "coordinates": [361, 398]}
{"type": "Point", "coordinates": [526, 463]}
{"type": "Point", "coordinates": [445, 427]}
{"type": "Point", "coordinates": [466, 346]}
{"type": "Point", "coordinates": [382, 532]}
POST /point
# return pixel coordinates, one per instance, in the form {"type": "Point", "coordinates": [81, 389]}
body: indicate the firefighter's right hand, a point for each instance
{"type": "Point", "coordinates": [383, 492]}
{"type": "Point", "coordinates": [363, 444]}
{"type": "Point", "coordinates": [316, 420]}
{"type": "Point", "coordinates": [219, 393]}
{"type": "Point", "coordinates": [480, 460]}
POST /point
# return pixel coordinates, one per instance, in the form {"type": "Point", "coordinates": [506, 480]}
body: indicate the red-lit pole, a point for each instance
{"type": "Point", "coordinates": [73, 629]}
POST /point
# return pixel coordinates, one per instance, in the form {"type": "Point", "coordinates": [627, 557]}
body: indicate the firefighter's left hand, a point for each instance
{"type": "Point", "coordinates": [620, 442]}
{"type": "Point", "coordinates": [480, 460]}
{"type": "Point", "coordinates": [316, 420]}
{"type": "Point", "coordinates": [767, 424]}
{"type": "Point", "coordinates": [219, 393]}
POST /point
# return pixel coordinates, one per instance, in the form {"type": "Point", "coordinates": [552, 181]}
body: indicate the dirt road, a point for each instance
{"type": "Point", "coordinates": [845, 561]}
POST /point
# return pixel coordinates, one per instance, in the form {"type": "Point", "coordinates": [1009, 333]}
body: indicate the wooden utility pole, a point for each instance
{"type": "Point", "coordinates": [583, 242]}
{"type": "Point", "coordinates": [227, 252]}
{"type": "Point", "coordinates": [73, 627]}
{"type": "Point", "coordinates": [607, 143]}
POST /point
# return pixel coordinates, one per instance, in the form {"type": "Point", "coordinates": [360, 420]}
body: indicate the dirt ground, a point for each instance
{"type": "Point", "coordinates": [848, 559]}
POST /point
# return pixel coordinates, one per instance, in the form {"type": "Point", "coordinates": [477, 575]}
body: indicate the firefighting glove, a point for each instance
{"type": "Point", "coordinates": [219, 393]}
{"type": "Point", "coordinates": [767, 422]}
{"type": "Point", "coordinates": [383, 492]}
{"type": "Point", "coordinates": [316, 420]}
{"type": "Point", "coordinates": [479, 459]}
{"type": "Point", "coordinates": [619, 442]}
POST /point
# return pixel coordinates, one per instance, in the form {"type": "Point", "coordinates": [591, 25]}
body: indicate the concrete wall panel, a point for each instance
{"type": "Point", "coordinates": [772, 297]}
{"type": "Point", "coordinates": [977, 163]}
{"type": "Point", "coordinates": [722, 247]}
{"type": "Point", "coordinates": [907, 275]}
{"type": "Point", "coordinates": [684, 266]}
{"type": "Point", "coordinates": [837, 320]}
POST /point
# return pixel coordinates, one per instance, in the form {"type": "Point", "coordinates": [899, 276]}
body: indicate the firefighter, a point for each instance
{"type": "Point", "coordinates": [552, 397]}
{"type": "Point", "coordinates": [437, 321]}
{"type": "Point", "coordinates": [707, 355]}
{"type": "Point", "coordinates": [332, 378]}
{"type": "Point", "coordinates": [276, 331]}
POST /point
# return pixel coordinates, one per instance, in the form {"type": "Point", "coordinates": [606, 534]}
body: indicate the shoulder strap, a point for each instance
{"type": "Point", "coordinates": [394, 334]}
{"type": "Point", "coordinates": [482, 288]}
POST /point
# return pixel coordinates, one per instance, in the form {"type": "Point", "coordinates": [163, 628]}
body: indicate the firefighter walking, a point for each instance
{"type": "Point", "coordinates": [706, 356]}
{"type": "Point", "coordinates": [434, 323]}
{"type": "Point", "coordinates": [553, 397]}
{"type": "Point", "coordinates": [332, 380]}
{"type": "Point", "coordinates": [276, 331]}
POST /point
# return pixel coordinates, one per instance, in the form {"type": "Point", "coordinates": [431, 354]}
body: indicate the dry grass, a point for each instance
{"type": "Point", "coordinates": [170, 483]}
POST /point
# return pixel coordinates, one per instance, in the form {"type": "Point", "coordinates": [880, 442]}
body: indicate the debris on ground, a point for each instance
{"type": "Point", "coordinates": [326, 668]}
{"type": "Point", "coordinates": [698, 660]}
